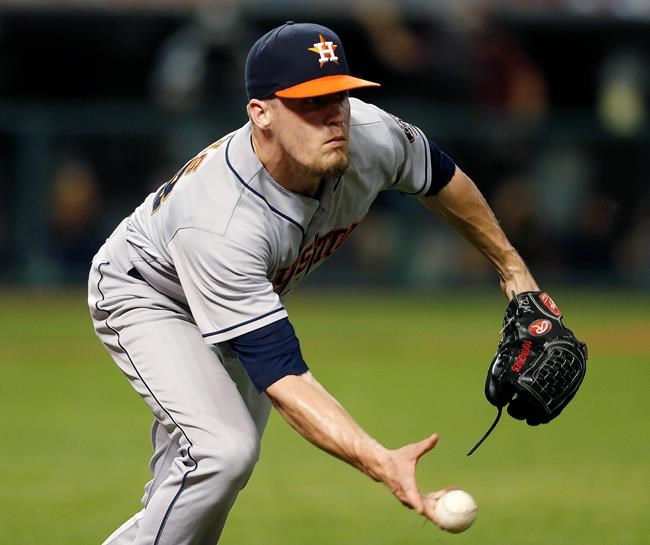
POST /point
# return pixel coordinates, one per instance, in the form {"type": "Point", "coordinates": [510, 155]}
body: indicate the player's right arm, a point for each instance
{"type": "Point", "coordinates": [232, 299]}
{"type": "Point", "coordinates": [320, 418]}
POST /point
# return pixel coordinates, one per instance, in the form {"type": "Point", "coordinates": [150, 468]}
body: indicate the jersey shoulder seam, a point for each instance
{"type": "Point", "coordinates": [234, 209]}
{"type": "Point", "coordinates": [427, 152]}
{"type": "Point", "coordinates": [221, 236]}
{"type": "Point", "coordinates": [197, 228]}
{"type": "Point", "coordinates": [367, 123]}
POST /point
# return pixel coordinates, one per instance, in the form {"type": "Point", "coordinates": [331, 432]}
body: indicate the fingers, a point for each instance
{"type": "Point", "coordinates": [401, 479]}
{"type": "Point", "coordinates": [410, 489]}
{"type": "Point", "coordinates": [430, 501]}
{"type": "Point", "coordinates": [425, 445]}
{"type": "Point", "coordinates": [440, 493]}
{"type": "Point", "coordinates": [415, 499]}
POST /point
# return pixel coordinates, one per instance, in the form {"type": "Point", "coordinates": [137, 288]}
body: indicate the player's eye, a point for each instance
{"type": "Point", "coordinates": [326, 100]}
{"type": "Point", "coordinates": [314, 101]}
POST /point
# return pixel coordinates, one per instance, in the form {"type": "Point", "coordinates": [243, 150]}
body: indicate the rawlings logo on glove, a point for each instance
{"type": "Point", "coordinates": [539, 327]}
{"type": "Point", "coordinates": [539, 363]}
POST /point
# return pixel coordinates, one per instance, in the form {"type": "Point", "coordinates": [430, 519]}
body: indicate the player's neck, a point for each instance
{"type": "Point", "coordinates": [285, 172]}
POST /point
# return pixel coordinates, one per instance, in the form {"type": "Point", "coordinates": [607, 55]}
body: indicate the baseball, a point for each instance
{"type": "Point", "coordinates": [456, 511]}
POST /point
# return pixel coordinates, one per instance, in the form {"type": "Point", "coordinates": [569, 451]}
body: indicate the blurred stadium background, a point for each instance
{"type": "Point", "coordinates": [543, 103]}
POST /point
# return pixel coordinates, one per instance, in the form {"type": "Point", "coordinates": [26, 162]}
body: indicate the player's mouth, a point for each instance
{"type": "Point", "coordinates": [336, 142]}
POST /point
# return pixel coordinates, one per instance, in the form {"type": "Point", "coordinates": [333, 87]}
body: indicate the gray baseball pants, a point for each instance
{"type": "Point", "coordinates": [209, 418]}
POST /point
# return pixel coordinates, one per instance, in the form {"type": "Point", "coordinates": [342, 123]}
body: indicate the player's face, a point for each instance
{"type": "Point", "coordinates": [314, 133]}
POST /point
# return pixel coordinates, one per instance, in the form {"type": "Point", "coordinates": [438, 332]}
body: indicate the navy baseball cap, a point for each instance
{"type": "Point", "coordinates": [299, 60]}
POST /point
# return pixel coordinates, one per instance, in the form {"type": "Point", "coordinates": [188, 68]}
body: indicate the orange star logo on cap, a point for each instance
{"type": "Point", "coordinates": [326, 51]}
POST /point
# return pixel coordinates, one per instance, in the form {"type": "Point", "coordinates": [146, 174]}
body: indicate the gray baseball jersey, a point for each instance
{"type": "Point", "coordinates": [225, 238]}
{"type": "Point", "coordinates": [207, 259]}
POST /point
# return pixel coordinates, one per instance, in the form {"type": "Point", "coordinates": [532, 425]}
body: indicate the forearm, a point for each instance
{"type": "Point", "coordinates": [462, 206]}
{"type": "Point", "coordinates": [318, 417]}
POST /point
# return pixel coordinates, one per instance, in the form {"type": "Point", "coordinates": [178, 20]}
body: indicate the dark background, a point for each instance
{"type": "Point", "coordinates": [545, 107]}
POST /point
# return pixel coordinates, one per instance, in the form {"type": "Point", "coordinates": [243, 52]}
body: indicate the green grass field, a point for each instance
{"type": "Point", "coordinates": [75, 437]}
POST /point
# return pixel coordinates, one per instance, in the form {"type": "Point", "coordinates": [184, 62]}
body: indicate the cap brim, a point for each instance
{"type": "Point", "coordinates": [325, 86]}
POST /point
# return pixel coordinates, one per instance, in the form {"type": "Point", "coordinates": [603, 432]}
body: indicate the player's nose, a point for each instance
{"type": "Point", "coordinates": [338, 110]}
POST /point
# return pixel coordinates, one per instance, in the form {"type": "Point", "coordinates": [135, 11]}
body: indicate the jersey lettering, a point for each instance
{"type": "Point", "coordinates": [305, 257]}
{"type": "Point", "coordinates": [189, 168]}
{"type": "Point", "coordinates": [316, 251]}
{"type": "Point", "coordinates": [166, 189]}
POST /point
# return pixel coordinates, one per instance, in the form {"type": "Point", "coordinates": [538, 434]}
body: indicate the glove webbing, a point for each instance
{"type": "Point", "coordinates": [485, 435]}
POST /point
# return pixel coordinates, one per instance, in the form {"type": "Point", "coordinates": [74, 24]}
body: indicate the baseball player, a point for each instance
{"type": "Point", "coordinates": [187, 293]}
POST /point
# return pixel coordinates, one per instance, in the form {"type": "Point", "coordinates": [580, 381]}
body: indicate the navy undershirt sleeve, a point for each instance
{"type": "Point", "coordinates": [442, 169]}
{"type": "Point", "coordinates": [270, 353]}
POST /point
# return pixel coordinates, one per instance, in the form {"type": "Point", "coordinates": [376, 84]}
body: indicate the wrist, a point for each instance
{"type": "Point", "coordinates": [517, 278]}
{"type": "Point", "coordinates": [510, 264]}
{"type": "Point", "coordinates": [375, 460]}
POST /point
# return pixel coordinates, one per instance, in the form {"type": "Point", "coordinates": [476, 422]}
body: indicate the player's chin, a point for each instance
{"type": "Point", "coordinates": [334, 163]}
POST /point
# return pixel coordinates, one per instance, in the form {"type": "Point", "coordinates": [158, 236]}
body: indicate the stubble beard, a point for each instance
{"type": "Point", "coordinates": [334, 165]}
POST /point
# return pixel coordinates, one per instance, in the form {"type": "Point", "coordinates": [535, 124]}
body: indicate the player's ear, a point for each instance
{"type": "Point", "coordinates": [259, 112]}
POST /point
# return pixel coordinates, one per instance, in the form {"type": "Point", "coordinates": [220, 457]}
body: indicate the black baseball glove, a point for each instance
{"type": "Point", "coordinates": [539, 363]}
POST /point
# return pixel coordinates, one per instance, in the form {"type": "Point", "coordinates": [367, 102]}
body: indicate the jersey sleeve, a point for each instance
{"type": "Point", "coordinates": [270, 353]}
{"type": "Point", "coordinates": [226, 284]}
{"type": "Point", "coordinates": [421, 167]}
